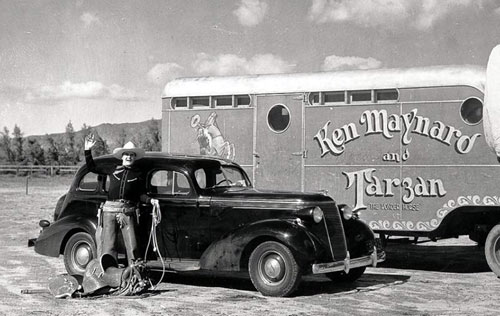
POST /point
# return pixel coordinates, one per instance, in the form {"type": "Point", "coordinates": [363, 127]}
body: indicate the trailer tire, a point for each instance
{"type": "Point", "coordinates": [492, 249]}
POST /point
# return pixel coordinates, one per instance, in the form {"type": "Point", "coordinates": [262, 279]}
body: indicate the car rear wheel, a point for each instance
{"type": "Point", "coordinates": [492, 249]}
{"type": "Point", "coordinates": [273, 269]}
{"type": "Point", "coordinates": [351, 276]}
{"type": "Point", "coordinates": [78, 252]}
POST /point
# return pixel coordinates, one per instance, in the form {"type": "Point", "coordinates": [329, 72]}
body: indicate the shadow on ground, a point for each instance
{"type": "Point", "coordinates": [238, 281]}
{"type": "Point", "coordinates": [400, 255]}
{"type": "Point", "coordinates": [313, 285]}
{"type": "Point", "coordinates": [310, 285]}
{"type": "Point", "coordinates": [429, 257]}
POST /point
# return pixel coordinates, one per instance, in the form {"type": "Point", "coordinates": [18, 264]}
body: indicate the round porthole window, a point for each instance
{"type": "Point", "coordinates": [471, 111]}
{"type": "Point", "coordinates": [278, 118]}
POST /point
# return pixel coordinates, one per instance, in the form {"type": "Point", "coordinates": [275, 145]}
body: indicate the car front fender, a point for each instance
{"type": "Point", "coordinates": [51, 238]}
{"type": "Point", "coordinates": [359, 236]}
{"type": "Point", "coordinates": [226, 253]}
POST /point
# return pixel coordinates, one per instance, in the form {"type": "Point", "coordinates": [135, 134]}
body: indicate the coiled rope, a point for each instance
{"type": "Point", "coordinates": [132, 282]}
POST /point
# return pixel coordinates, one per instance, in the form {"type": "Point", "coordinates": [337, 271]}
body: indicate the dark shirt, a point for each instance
{"type": "Point", "coordinates": [125, 183]}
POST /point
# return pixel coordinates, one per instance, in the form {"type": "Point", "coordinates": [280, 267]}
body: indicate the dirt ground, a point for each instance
{"type": "Point", "coordinates": [445, 278]}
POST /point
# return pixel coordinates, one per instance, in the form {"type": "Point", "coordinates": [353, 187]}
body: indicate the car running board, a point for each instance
{"type": "Point", "coordinates": [175, 264]}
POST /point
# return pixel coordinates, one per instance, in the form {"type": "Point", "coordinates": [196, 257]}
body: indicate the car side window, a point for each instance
{"type": "Point", "coordinates": [169, 182]}
{"type": "Point", "coordinates": [89, 182]}
{"type": "Point", "coordinates": [201, 178]}
{"type": "Point", "coordinates": [219, 177]}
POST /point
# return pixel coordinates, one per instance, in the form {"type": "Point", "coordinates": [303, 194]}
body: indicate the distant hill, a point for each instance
{"type": "Point", "coordinates": [109, 132]}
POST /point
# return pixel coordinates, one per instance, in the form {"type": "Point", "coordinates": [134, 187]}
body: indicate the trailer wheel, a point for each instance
{"type": "Point", "coordinates": [351, 276]}
{"type": "Point", "coordinates": [78, 252]}
{"type": "Point", "coordinates": [492, 249]}
{"type": "Point", "coordinates": [273, 269]}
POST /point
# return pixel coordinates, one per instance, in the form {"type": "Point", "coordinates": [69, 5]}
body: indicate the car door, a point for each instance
{"type": "Point", "coordinates": [218, 208]}
{"type": "Point", "coordinates": [181, 232]}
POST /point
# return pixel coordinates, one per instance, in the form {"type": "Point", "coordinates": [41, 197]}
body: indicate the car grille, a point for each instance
{"type": "Point", "coordinates": [330, 233]}
{"type": "Point", "coordinates": [335, 232]}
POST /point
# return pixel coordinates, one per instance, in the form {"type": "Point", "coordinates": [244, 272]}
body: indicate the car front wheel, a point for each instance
{"type": "Point", "coordinates": [492, 249]}
{"type": "Point", "coordinates": [78, 252]}
{"type": "Point", "coordinates": [273, 269]}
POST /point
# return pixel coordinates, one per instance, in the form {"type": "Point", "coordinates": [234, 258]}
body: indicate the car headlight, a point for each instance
{"type": "Point", "coordinates": [346, 212]}
{"type": "Point", "coordinates": [317, 214]}
{"type": "Point", "coordinates": [44, 223]}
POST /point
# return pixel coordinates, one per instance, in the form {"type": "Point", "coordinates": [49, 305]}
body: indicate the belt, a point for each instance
{"type": "Point", "coordinates": [119, 207]}
{"type": "Point", "coordinates": [118, 204]}
{"type": "Point", "coordinates": [124, 201]}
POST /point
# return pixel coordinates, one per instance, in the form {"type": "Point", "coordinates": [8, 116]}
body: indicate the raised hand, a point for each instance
{"type": "Point", "coordinates": [89, 141]}
{"type": "Point", "coordinates": [155, 202]}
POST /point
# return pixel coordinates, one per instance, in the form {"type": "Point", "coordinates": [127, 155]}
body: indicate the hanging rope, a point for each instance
{"type": "Point", "coordinates": [155, 221]}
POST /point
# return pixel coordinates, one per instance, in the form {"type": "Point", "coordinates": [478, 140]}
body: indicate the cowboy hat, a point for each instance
{"type": "Point", "coordinates": [129, 148]}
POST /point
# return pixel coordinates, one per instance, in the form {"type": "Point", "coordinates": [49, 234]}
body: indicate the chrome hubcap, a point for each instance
{"type": "Point", "coordinates": [83, 253]}
{"type": "Point", "coordinates": [272, 268]}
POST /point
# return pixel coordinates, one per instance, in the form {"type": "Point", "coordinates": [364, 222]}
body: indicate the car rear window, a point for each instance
{"type": "Point", "coordinates": [89, 182]}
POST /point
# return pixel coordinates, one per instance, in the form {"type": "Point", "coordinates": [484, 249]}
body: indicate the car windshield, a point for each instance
{"type": "Point", "coordinates": [221, 176]}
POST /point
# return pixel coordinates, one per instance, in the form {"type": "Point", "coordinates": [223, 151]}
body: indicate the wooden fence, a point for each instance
{"type": "Point", "coordinates": [39, 169]}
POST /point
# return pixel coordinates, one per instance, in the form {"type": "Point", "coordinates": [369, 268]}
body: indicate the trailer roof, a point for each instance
{"type": "Point", "coordinates": [436, 76]}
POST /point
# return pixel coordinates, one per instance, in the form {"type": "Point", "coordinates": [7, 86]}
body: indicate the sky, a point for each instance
{"type": "Point", "coordinates": [92, 62]}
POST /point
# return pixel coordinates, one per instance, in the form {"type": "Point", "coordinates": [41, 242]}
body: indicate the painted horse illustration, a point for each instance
{"type": "Point", "coordinates": [210, 138]}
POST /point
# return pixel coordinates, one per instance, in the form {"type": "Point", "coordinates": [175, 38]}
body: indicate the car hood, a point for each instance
{"type": "Point", "coordinates": [267, 196]}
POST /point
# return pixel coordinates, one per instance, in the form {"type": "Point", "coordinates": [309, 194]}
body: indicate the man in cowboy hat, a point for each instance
{"type": "Point", "coordinates": [127, 188]}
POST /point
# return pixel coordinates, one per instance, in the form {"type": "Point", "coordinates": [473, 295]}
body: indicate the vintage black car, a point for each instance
{"type": "Point", "coordinates": [213, 219]}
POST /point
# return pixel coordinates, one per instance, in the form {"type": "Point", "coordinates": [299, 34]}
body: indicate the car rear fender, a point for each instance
{"type": "Point", "coordinates": [52, 239]}
{"type": "Point", "coordinates": [59, 206]}
{"type": "Point", "coordinates": [231, 253]}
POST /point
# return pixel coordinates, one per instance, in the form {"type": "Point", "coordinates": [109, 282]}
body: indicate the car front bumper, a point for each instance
{"type": "Point", "coordinates": [348, 263]}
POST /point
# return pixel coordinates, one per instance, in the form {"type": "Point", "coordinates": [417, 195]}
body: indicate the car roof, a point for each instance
{"type": "Point", "coordinates": [171, 159]}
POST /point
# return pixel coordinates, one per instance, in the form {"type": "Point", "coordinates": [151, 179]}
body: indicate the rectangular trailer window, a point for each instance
{"type": "Point", "coordinates": [200, 102]}
{"type": "Point", "coordinates": [386, 95]}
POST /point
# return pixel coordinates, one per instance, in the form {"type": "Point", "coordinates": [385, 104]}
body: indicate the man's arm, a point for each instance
{"type": "Point", "coordinates": [89, 161]}
{"type": "Point", "coordinates": [147, 200]}
{"type": "Point", "coordinates": [144, 198]}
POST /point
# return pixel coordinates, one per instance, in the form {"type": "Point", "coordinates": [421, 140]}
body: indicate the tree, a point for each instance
{"type": "Point", "coordinates": [69, 154]}
{"type": "Point", "coordinates": [100, 147]}
{"type": "Point", "coordinates": [17, 144]}
{"type": "Point", "coordinates": [122, 137]}
{"type": "Point", "coordinates": [6, 143]}
{"type": "Point", "coordinates": [84, 131]}
{"type": "Point", "coordinates": [33, 152]}
{"type": "Point", "coordinates": [52, 151]}
{"type": "Point", "coordinates": [151, 140]}
{"type": "Point", "coordinates": [155, 134]}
